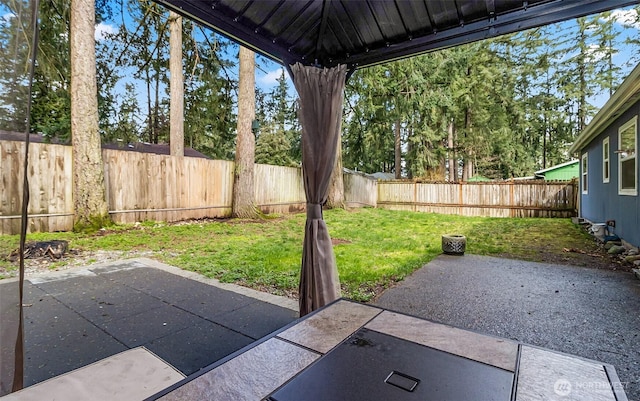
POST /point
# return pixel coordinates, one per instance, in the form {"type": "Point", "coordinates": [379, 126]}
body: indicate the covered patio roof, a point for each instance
{"type": "Point", "coordinates": [360, 33]}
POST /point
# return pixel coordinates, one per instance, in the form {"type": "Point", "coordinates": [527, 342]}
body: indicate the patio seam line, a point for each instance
{"type": "Point", "coordinates": [102, 329]}
{"type": "Point", "coordinates": [208, 320]}
{"type": "Point", "coordinates": [300, 345]}
{"type": "Point", "coordinates": [85, 318]}
{"type": "Point", "coordinates": [139, 313]}
{"type": "Point", "coordinates": [277, 300]}
{"type": "Point", "coordinates": [617, 386]}
{"type": "Point", "coordinates": [254, 301]}
{"type": "Point", "coordinates": [183, 328]}
{"type": "Point", "coordinates": [516, 373]}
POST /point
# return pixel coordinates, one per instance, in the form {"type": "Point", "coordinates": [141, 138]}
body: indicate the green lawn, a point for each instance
{"type": "Point", "coordinates": [374, 247]}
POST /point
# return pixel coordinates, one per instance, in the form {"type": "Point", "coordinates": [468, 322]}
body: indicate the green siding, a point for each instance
{"type": "Point", "coordinates": [478, 178]}
{"type": "Point", "coordinates": [563, 173]}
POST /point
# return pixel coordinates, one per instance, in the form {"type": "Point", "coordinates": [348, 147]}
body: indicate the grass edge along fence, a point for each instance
{"type": "Point", "coordinates": [146, 186]}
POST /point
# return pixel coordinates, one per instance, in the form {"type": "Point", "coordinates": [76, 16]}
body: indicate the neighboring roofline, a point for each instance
{"type": "Point", "coordinates": [627, 94]}
{"type": "Point", "coordinates": [139, 147]}
{"type": "Point", "coordinates": [557, 166]}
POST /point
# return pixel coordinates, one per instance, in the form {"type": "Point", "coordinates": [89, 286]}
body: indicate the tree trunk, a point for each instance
{"type": "Point", "coordinates": [409, 164]}
{"type": "Point", "coordinates": [89, 194]}
{"type": "Point", "coordinates": [243, 186]}
{"type": "Point", "coordinates": [453, 172]}
{"type": "Point", "coordinates": [150, 110]}
{"type": "Point", "coordinates": [398, 151]}
{"type": "Point", "coordinates": [467, 169]}
{"type": "Point", "coordinates": [176, 128]}
{"type": "Point", "coordinates": [335, 197]}
{"type": "Point", "coordinates": [582, 80]}
{"type": "Point", "coordinates": [544, 146]}
{"type": "Point", "coordinates": [156, 111]}
{"type": "Point", "coordinates": [468, 166]}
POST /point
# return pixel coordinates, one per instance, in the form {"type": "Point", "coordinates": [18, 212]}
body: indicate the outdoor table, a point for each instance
{"type": "Point", "coordinates": [352, 351]}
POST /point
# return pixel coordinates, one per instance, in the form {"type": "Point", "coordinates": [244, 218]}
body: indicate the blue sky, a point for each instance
{"type": "Point", "coordinates": [267, 72]}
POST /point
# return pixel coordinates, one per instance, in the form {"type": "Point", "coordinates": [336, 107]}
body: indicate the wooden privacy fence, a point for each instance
{"type": "Point", "coordinates": [494, 199]}
{"type": "Point", "coordinates": [279, 189]}
{"type": "Point", "coordinates": [360, 191]}
{"type": "Point", "coordinates": [51, 205]}
{"type": "Point", "coordinates": [144, 186]}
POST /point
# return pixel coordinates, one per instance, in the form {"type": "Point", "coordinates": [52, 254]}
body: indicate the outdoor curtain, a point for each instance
{"type": "Point", "coordinates": [16, 65]}
{"type": "Point", "coordinates": [321, 93]}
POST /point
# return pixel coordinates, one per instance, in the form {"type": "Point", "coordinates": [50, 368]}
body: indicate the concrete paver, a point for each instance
{"type": "Point", "coordinates": [75, 318]}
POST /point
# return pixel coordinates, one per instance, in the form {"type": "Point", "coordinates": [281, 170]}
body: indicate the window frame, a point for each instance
{"type": "Point", "coordinates": [632, 123]}
{"type": "Point", "coordinates": [606, 160]}
{"type": "Point", "coordinates": [584, 173]}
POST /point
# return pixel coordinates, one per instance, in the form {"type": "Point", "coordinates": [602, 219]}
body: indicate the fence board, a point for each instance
{"type": "Point", "coordinates": [166, 188]}
{"type": "Point", "coordinates": [492, 199]}
{"type": "Point", "coordinates": [143, 186]}
{"type": "Point", "coordinates": [360, 191]}
{"type": "Point", "coordinates": [49, 175]}
{"type": "Point", "coordinates": [279, 189]}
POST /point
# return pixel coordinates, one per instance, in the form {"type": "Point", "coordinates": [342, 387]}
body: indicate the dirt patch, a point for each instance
{"type": "Point", "coordinates": [338, 241]}
{"type": "Point", "coordinates": [596, 257]}
{"type": "Point", "coordinates": [72, 259]}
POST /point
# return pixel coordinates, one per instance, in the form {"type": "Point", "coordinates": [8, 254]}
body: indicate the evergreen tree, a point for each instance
{"type": "Point", "coordinates": [209, 96]}
{"type": "Point", "coordinates": [51, 107]}
{"type": "Point", "coordinates": [243, 204]}
{"type": "Point", "coordinates": [278, 141]}
{"type": "Point", "coordinates": [127, 126]}
{"type": "Point", "coordinates": [13, 74]}
{"type": "Point", "coordinates": [89, 192]}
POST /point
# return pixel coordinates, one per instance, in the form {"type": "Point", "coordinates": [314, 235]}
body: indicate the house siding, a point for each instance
{"type": "Point", "coordinates": [563, 173]}
{"type": "Point", "coordinates": [602, 202]}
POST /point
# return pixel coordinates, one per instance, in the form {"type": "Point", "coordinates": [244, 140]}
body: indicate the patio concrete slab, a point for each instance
{"type": "Point", "coordinates": [75, 318]}
{"type": "Point", "coordinates": [250, 319]}
{"type": "Point", "coordinates": [581, 380]}
{"type": "Point", "coordinates": [130, 375]}
{"type": "Point", "coordinates": [181, 292]}
{"type": "Point", "coordinates": [195, 347]}
{"type": "Point", "coordinates": [250, 376]}
{"type": "Point", "coordinates": [586, 312]}
{"type": "Point", "coordinates": [58, 339]}
{"type": "Point", "coordinates": [327, 328]}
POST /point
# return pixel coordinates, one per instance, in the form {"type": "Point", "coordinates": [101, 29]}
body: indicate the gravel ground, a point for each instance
{"type": "Point", "coordinates": [74, 259]}
{"type": "Point", "coordinates": [591, 313]}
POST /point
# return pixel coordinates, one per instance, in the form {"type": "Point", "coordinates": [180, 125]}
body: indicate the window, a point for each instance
{"type": "Point", "coordinates": [584, 174]}
{"type": "Point", "coordinates": [627, 165]}
{"type": "Point", "coordinates": [606, 169]}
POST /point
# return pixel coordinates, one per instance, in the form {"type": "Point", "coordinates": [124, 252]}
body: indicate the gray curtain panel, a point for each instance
{"type": "Point", "coordinates": [321, 94]}
{"type": "Point", "coordinates": [10, 344]}
{"type": "Point", "coordinates": [17, 63]}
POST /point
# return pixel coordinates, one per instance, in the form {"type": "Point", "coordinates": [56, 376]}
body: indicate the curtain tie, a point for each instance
{"type": "Point", "coordinates": [314, 211]}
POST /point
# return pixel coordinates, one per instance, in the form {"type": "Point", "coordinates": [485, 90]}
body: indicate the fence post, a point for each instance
{"type": "Point", "coordinates": [512, 210]}
{"type": "Point", "coordinates": [460, 198]}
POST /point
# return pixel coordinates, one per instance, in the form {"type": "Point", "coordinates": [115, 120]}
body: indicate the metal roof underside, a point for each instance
{"type": "Point", "coordinates": [360, 33]}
